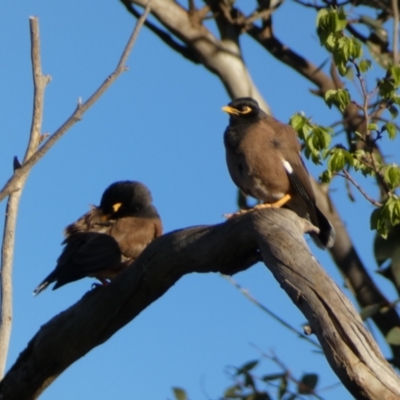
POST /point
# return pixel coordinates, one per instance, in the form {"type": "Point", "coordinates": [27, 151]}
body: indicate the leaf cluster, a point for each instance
{"type": "Point", "coordinates": [343, 157]}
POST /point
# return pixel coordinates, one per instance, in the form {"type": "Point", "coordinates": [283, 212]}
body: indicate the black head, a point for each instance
{"type": "Point", "coordinates": [126, 198]}
{"type": "Point", "coordinates": [245, 109]}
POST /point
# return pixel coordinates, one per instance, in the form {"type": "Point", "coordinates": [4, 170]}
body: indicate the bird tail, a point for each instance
{"type": "Point", "coordinates": [326, 236]}
{"type": "Point", "coordinates": [46, 282]}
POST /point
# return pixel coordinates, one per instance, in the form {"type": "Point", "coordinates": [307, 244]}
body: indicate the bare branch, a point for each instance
{"type": "Point", "coordinates": [357, 278]}
{"type": "Point", "coordinates": [13, 183]}
{"type": "Point", "coordinates": [347, 176]}
{"type": "Point", "coordinates": [276, 317]}
{"type": "Point", "coordinates": [221, 57]}
{"type": "Point", "coordinates": [395, 45]}
{"type": "Point", "coordinates": [235, 245]}
{"type": "Point", "coordinates": [164, 36]}
{"type": "Point", "coordinates": [7, 252]}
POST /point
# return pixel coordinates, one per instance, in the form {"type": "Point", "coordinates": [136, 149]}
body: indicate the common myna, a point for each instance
{"type": "Point", "coordinates": [109, 237]}
{"type": "Point", "coordinates": [263, 157]}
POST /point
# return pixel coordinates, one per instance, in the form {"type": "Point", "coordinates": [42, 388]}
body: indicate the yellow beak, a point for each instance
{"type": "Point", "coordinates": [230, 110]}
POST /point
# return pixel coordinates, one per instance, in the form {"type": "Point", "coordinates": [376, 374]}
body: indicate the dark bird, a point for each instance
{"type": "Point", "coordinates": [109, 237]}
{"type": "Point", "coordinates": [264, 161]}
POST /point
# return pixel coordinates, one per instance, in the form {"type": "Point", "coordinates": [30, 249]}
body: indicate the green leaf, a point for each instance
{"type": "Point", "coordinates": [179, 393]}
{"type": "Point", "coordinates": [373, 127]}
{"type": "Point", "coordinates": [393, 336]}
{"type": "Point", "coordinates": [339, 98]}
{"type": "Point", "coordinates": [378, 222]}
{"type": "Point", "coordinates": [233, 392]}
{"type": "Point", "coordinates": [297, 121]}
{"type": "Point", "coordinates": [247, 367]}
{"type": "Point", "coordinates": [307, 384]}
{"type": "Point", "coordinates": [249, 381]}
{"type": "Point", "coordinates": [329, 97]}
{"type": "Point", "coordinates": [272, 377]}
{"type": "Point", "coordinates": [369, 311]}
{"type": "Point", "coordinates": [395, 74]}
{"type": "Point", "coordinates": [282, 387]}
{"type": "Point", "coordinates": [338, 159]}
{"type": "Point", "coordinates": [326, 176]}
{"type": "Point", "coordinates": [364, 65]}
{"type": "Point", "coordinates": [392, 176]}
{"type": "Point", "coordinates": [394, 112]}
{"type": "Point", "coordinates": [391, 130]}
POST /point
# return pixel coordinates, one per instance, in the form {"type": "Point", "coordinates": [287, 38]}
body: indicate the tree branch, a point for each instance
{"type": "Point", "coordinates": [395, 44]}
{"type": "Point", "coordinates": [221, 57]}
{"type": "Point", "coordinates": [357, 278]}
{"type": "Point", "coordinates": [235, 245]}
{"type": "Point", "coordinates": [7, 252]}
{"type": "Point", "coordinates": [13, 183]}
{"type": "Point", "coordinates": [224, 59]}
{"type": "Point", "coordinates": [184, 51]}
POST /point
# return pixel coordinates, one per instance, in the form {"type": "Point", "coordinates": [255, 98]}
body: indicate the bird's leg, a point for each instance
{"type": "Point", "coordinates": [104, 282]}
{"type": "Point", "coordinates": [278, 204]}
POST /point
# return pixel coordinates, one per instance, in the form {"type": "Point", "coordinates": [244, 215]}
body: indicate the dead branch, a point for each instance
{"type": "Point", "coordinates": [7, 252]}
{"type": "Point", "coordinates": [276, 236]}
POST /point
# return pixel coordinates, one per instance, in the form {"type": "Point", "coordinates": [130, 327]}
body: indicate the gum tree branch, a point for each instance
{"type": "Point", "coordinates": [395, 45]}
{"type": "Point", "coordinates": [223, 58]}
{"type": "Point", "coordinates": [13, 183]}
{"type": "Point", "coordinates": [347, 176]}
{"type": "Point", "coordinates": [275, 235]}
{"type": "Point", "coordinates": [7, 252]}
{"type": "Point", "coordinates": [357, 278]}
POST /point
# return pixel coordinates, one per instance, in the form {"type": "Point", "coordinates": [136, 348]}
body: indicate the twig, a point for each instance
{"type": "Point", "coordinates": [13, 183]}
{"type": "Point", "coordinates": [361, 190]}
{"type": "Point", "coordinates": [280, 363]}
{"type": "Point", "coordinates": [269, 312]}
{"type": "Point", "coordinates": [7, 253]}
{"type": "Point", "coordinates": [395, 8]}
{"type": "Point", "coordinates": [183, 50]}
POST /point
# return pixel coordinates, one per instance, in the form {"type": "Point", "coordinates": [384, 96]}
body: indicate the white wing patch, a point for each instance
{"type": "Point", "coordinates": [288, 167]}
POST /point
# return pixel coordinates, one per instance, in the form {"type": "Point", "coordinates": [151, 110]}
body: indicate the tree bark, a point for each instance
{"type": "Point", "coordinates": [274, 236]}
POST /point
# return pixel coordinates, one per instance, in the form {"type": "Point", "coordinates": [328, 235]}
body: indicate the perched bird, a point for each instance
{"type": "Point", "coordinates": [263, 158]}
{"type": "Point", "coordinates": [109, 237]}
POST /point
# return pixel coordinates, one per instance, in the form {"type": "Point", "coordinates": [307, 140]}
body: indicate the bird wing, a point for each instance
{"type": "Point", "coordinates": [289, 148]}
{"type": "Point", "coordinates": [85, 254]}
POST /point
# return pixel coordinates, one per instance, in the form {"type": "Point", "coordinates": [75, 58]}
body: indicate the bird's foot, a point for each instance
{"type": "Point", "coordinates": [104, 283]}
{"type": "Point", "coordinates": [238, 213]}
{"type": "Point", "coordinates": [277, 204]}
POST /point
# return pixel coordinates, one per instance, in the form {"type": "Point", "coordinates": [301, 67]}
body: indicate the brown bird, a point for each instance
{"type": "Point", "coordinates": [264, 161]}
{"type": "Point", "coordinates": [109, 237]}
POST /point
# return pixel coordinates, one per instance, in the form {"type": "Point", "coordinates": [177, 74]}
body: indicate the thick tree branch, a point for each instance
{"type": "Point", "coordinates": [184, 51]}
{"type": "Point", "coordinates": [13, 183]}
{"type": "Point", "coordinates": [221, 57]}
{"type": "Point", "coordinates": [357, 278]}
{"type": "Point", "coordinates": [229, 247]}
{"type": "Point", "coordinates": [7, 252]}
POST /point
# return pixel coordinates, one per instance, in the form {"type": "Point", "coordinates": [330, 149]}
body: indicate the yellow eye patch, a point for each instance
{"type": "Point", "coordinates": [116, 207]}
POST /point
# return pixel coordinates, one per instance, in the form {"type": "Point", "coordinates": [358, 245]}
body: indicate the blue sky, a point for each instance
{"type": "Point", "coordinates": [160, 123]}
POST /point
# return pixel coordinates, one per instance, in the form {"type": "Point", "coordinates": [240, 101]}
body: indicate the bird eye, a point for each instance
{"type": "Point", "coordinates": [116, 207]}
{"type": "Point", "coordinates": [245, 110]}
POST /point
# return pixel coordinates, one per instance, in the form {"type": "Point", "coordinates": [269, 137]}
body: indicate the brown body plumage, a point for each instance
{"type": "Point", "coordinates": [264, 161]}
{"type": "Point", "coordinates": [109, 237]}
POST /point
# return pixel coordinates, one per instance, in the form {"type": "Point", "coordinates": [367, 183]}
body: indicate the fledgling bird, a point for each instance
{"type": "Point", "coordinates": [264, 161]}
{"type": "Point", "coordinates": [109, 237]}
